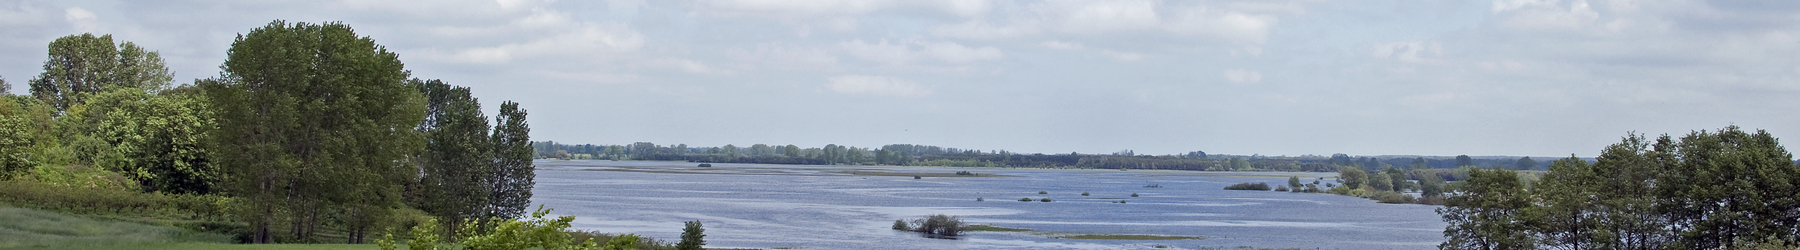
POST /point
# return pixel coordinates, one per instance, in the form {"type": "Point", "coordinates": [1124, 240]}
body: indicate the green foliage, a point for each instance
{"type": "Point", "coordinates": [1262, 186]}
{"type": "Point", "coordinates": [1084, 193]}
{"type": "Point", "coordinates": [1025, 199]}
{"type": "Point", "coordinates": [457, 161]}
{"type": "Point", "coordinates": [1482, 215]}
{"type": "Point", "coordinates": [692, 236]}
{"type": "Point", "coordinates": [101, 200]}
{"type": "Point", "coordinates": [514, 175]}
{"type": "Point", "coordinates": [1283, 189]}
{"type": "Point", "coordinates": [1352, 176]}
{"type": "Point", "coordinates": [1294, 181]}
{"type": "Point", "coordinates": [901, 224]}
{"type": "Point", "coordinates": [313, 119]}
{"type": "Point", "coordinates": [1045, 200]}
{"type": "Point", "coordinates": [1727, 185]}
{"type": "Point", "coordinates": [537, 233]}
{"type": "Point", "coordinates": [84, 64]}
{"type": "Point", "coordinates": [154, 139]}
{"type": "Point", "coordinates": [1381, 182]}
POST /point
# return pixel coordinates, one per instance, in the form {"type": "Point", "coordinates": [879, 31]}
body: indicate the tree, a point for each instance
{"type": "Point", "coordinates": [1485, 213]}
{"type": "Point", "coordinates": [1353, 177]}
{"type": "Point", "coordinates": [85, 64]}
{"type": "Point", "coordinates": [791, 151]}
{"type": "Point", "coordinates": [692, 236]}
{"type": "Point", "coordinates": [1464, 160]}
{"type": "Point", "coordinates": [1381, 182]}
{"type": "Point", "coordinates": [157, 138]}
{"type": "Point", "coordinates": [1396, 177]}
{"type": "Point", "coordinates": [1294, 181]}
{"type": "Point", "coordinates": [1626, 200]}
{"type": "Point", "coordinates": [1525, 163]}
{"type": "Point", "coordinates": [1725, 186]}
{"type": "Point", "coordinates": [1567, 214]}
{"type": "Point", "coordinates": [313, 119]}
{"type": "Point", "coordinates": [513, 174]}
{"type": "Point", "coordinates": [458, 162]}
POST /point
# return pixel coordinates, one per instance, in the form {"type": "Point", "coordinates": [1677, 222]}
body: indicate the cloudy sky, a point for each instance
{"type": "Point", "coordinates": [1505, 77]}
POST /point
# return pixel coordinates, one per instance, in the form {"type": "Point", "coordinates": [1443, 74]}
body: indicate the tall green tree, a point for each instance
{"type": "Point", "coordinates": [1729, 185]}
{"type": "Point", "coordinates": [1464, 160]}
{"type": "Point", "coordinates": [513, 174]}
{"type": "Point", "coordinates": [1626, 197]}
{"type": "Point", "coordinates": [313, 119]}
{"type": "Point", "coordinates": [85, 64]}
{"type": "Point", "coordinates": [458, 161]}
{"type": "Point", "coordinates": [1485, 214]}
{"type": "Point", "coordinates": [1567, 213]}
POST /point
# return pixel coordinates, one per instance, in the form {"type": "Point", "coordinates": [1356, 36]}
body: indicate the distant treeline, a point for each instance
{"type": "Point", "coordinates": [922, 155]}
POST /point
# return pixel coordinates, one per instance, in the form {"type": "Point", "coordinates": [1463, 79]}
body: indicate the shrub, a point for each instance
{"type": "Point", "coordinates": [964, 173]}
{"type": "Point", "coordinates": [1043, 192]}
{"type": "Point", "coordinates": [692, 236]}
{"type": "Point", "coordinates": [1249, 186]}
{"type": "Point", "coordinates": [1133, 194]}
{"type": "Point", "coordinates": [915, 177]}
{"type": "Point", "coordinates": [1390, 197]}
{"type": "Point", "coordinates": [1025, 199]}
{"type": "Point", "coordinates": [939, 225]}
{"type": "Point", "coordinates": [977, 198]}
{"type": "Point", "coordinates": [1283, 189]}
{"type": "Point", "coordinates": [1045, 200]}
{"type": "Point", "coordinates": [706, 165]}
{"type": "Point", "coordinates": [1084, 194]}
{"type": "Point", "coordinates": [901, 225]}
{"type": "Point", "coordinates": [99, 199]}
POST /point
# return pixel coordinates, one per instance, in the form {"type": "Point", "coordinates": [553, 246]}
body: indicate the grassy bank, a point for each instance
{"type": "Point", "coordinates": [23, 227]}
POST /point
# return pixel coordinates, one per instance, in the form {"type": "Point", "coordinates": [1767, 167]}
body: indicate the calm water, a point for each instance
{"type": "Point", "coordinates": [826, 207]}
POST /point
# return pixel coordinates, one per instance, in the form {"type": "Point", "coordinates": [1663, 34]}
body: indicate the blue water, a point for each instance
{"type": "Point", "coordinates": [826, 207]}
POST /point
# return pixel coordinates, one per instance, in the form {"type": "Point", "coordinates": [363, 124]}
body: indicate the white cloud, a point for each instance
{"type": "Point", "coordinates": [1242, 76]}
{"type": "Point", "coordinates": [1101, 17]}
{"type": "Point", "coordinates": [1544, 15]}
{"type": "Point", "coordinates": [787, 57]}
{"type": "Point", "coordinates": [1411, 52]}
{"type": "Point", "coordinates": [688, 66]}
{"type": "Point", "coordinates": [875, 85]}
{"type": "Point", "coordinates": [1060, 45]}
{"type": "Point", "coordinates": [1230, 25]}
{"type": "Point", "coordinates": [83, 19]}
{"type": "Point", "coordinates": [1123, 56]}
{"type": "Point", "coordinates": [902, 52]}
{"type": "Point", "coordinates": [977, 29]}
{"type": "Point", "coordinates": [545, 33]}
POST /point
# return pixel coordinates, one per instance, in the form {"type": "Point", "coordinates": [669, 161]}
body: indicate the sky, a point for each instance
{"type": "Point", "coordinates": [1380, 77]}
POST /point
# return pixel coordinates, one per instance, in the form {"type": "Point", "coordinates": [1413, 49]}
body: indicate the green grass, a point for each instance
{"type": "Point", "coordinates": [992, 228]}
{"type": "Point", "coordinates": [222, 246]}
{"type": "Point", "coordinates": [22, 227]}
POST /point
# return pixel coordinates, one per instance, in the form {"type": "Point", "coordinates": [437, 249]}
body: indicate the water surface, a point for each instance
{"type": "Point", "coordinates": [844, 207]}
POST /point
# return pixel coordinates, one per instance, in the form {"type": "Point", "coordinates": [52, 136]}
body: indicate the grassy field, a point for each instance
{"type": "Point", "coordinates": [212, 246]}
{"type": "Point", "coordinates": [21, 227]}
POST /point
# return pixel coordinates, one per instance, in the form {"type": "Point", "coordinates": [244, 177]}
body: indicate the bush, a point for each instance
{"type": "Point", "coordinates": [1025, 199]}
{"type": "Point", "coordinates": [1133, 194]}
{"type": "Point", "coordinates": [1045, 200]}
{"type": "Point", "coordinates": [977, 198]}
{"type": "Point", "coordinates": [692, 236]}
{"type": "Point", "coordinates": [1084, 194]}
{"type": "Point", "coordinates": [964, 173]}
{"type": "Point", "coordinates": [706, 165]}
{"type": "Point", "coordinates": [24, 192]}
{"type": "Point", "coordinates": [901, 225]}
{"type": "Point", "coordinates": [1043, 192]}
{"type": "Point", "coordinates": [1284, 189]}
{"type": "Point", "coordinates": [1248, 186]}
{"type": "Point", "coordinates": [1390, 197]}
{"type": "Point", "coordinates": [939, 225]}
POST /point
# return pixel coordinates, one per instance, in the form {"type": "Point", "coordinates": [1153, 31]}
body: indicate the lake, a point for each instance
{"type": "Point", "coordinates": [853, 207]}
